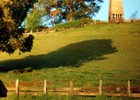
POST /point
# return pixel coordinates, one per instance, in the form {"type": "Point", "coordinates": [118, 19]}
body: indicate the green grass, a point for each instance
{"type": "Point", "coordinates": [74, 24]}
{"type": "Point", "coordinates": [48, 97]}
{"type": "Point", "coordinates": [109, 52]}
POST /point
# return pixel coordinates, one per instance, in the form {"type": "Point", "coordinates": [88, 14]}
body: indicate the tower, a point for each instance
{"type": "Point", "coordinates": [116, 13]}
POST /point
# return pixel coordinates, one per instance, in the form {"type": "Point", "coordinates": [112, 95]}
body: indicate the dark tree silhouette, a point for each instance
{"type": "Point", "coordinates": [12, 14]}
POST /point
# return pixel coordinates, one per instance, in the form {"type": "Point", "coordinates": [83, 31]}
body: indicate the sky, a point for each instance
{"type": "Point", "coordinates": [130, 7]}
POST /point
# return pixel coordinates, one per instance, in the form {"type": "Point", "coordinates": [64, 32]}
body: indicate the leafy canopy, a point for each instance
{"type": "Point", "coordinates": [70, 9]}
{"type": "Point", "coordinates": [12, 14]}
{"type": "Point", "coordinates": [33, 19]}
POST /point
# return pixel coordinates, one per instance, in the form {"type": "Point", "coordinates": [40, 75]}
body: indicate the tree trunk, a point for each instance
{"type": "Point", "coordinates": [71, 13]}
{"type": "Point", "coordinates": [31, 32]}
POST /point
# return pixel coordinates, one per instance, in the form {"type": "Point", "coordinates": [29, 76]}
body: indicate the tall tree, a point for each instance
{"type": "Point", "coordinates": [12, 14]}
{"type": "Point", "coordinates": [73, 9]}
{"type": "Point", "coordinates": [76, 9]}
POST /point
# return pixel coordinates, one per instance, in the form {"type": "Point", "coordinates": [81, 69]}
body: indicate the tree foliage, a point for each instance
{"type": "Point", "coordinates": [134, 16]}
{"type": "Point", "coordinates": [77, 9]}
{"type": "Point", "coordinates": [33, 19]}
{"type": "Point", "coordinates": [12, 14]}
{"type": "Point", "coordinates": [72, 9]}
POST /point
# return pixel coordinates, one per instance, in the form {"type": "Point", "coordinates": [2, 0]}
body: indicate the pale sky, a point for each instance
{"type": "Point", "coordinates": [130, 6]}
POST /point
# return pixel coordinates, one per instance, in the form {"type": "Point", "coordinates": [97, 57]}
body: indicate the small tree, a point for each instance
{"type": "Point", "coordinates": [134, 16]}
{"type": "Point", "coordinates": [33, 20]}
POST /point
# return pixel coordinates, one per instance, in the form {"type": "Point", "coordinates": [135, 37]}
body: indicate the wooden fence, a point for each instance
{"type": "Point", "coordinates": [39, 88]}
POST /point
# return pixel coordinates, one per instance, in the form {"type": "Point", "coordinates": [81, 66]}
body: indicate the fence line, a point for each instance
{"type": "Point", "coordinates": [129, 88]}
{"type": "Point", "coordinates": [100, 87]}
{"type": "Point", "coordinates": [71, 90]}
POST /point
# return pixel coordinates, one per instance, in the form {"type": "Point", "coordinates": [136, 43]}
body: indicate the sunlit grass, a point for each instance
{"type": "Point", "coordinates": [49, 97]}
{"type": "Point", "coordinates": [109, 52]}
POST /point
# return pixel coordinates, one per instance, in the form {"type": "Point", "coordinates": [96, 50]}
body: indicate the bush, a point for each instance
{"type": "Point", "coordinates": [74, 24]}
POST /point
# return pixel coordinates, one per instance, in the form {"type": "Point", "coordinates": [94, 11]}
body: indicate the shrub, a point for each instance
{"type": "Point", "coordinates": [74, 24]}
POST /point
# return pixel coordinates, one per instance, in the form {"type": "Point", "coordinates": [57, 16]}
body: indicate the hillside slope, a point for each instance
{"type": "Point", "coordinates": [109, 52]}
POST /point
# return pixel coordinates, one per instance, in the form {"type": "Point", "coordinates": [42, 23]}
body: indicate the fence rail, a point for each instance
{"type": "Point", "coordinates": [39, 88]}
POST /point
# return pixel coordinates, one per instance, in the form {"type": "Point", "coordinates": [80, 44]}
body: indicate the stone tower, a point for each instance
{"type": "Point", "coordinates": [116, 13]}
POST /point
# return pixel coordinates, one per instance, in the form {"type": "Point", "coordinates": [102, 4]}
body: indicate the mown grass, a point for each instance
{"type": "Point", "coordinates": [48, 97]}
{"type": "Point", "coordinates": [108, 51]}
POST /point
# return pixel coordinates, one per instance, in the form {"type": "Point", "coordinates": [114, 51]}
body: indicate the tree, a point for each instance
{"type": "Point", "coordinates": [33, 20]}
{"type": "Point", "coordinates": [12, 14]}
{"type": "Point", "coordinates": [77, 9]}
{"type": "Point", "coordinates": [134, 16]}
{"type": "Point", "coordinates": [71, 9]}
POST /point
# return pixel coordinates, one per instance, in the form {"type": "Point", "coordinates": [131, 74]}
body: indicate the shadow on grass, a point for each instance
{"type": "Point", "coordinates": [72, 55]}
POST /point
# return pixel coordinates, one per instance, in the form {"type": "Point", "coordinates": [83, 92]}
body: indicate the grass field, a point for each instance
{"type": "Point", "coordinates": [47, 97]}
{"type": "Point", "coordinates": [109, 52]}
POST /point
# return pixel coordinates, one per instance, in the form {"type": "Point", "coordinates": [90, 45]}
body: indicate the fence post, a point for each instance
{"type": "Point", "coordinates": [43, 31]}
{"type": "Point", "coordinates": [17, 87]}
{"type": "Point", "coordinates": [71, 87]}
{"type": "Point", "coordinates": [45, 86]}
{"type": "Point", "coordinates": [100, 87]}
{"type": "Point", "coordinates": [128, 88]}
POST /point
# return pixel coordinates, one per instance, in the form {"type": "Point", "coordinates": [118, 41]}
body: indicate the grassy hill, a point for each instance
{"type": "Point", "coordinates": [108, 51]}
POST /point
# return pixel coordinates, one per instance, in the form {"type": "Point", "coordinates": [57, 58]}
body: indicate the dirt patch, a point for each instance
{"type": "Point", "coordinates": [21, 71]}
